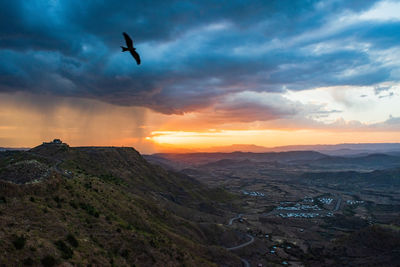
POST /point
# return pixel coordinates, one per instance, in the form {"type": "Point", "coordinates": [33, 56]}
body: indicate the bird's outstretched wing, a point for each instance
{"type": "Point", "coordinates": [128, 40]}
{"type": "Point", "coordinates": [135, 56]}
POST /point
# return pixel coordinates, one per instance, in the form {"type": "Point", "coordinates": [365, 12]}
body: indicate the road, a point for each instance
{"type": "Point", "coordinates": [338, 202]}
{"type": "Point", "coordinates": [244, 244]}
{"type": "Point", "coordinates": [244, 261]}
{"type": "Point", "coordinates": [64, 173]}
{"type": "Point", "coordinates": [55, 167]}
{"type": "Point", "coordinates": [234, 218]}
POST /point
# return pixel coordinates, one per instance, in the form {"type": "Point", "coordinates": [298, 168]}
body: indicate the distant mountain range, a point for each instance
{"type": "Point", "coordinates": [204, 157]}
{"type": "Point", "coordinates": [377, 178]}
{"type": "Point", "coordinates": [309, 159]}
{"type": "Point", "coordinates": [337, 150]}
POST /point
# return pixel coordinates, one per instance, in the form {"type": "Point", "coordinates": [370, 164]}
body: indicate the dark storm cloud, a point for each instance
{"type": "Point", "coordinates": [193, 52]}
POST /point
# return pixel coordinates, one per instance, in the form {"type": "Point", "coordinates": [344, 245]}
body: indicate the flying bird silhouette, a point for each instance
{"type": "Point", "coordinates": [130, 48]}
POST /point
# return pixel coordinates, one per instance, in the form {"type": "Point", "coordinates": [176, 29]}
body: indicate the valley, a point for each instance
{"type": "Point", "coordinates": [300, 214]}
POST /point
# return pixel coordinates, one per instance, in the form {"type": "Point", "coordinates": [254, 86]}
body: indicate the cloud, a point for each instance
{"type": "Point", "coordinates": [195, 53]}
{"type": "Point", "coordinates": [392, 123]}
{"type": "Point", "coordinates": [380, 89]}
{"type": "Point", "coordinates": [383, 11]}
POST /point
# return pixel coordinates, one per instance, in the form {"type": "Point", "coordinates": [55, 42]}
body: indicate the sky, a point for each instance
{"type": "Point", "coordinates": [213, 73]}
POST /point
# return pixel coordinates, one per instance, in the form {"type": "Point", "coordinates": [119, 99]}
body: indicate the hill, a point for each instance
{"type": "Point", "coordinates": [309, 159]}
{"type": "Point", "coordinates": [197, 159]}
{"type": "Point", "coordinates": [106, 206]}
{"type": "Point", "coordinates": [350, 180]}
{"type": "Point", "coordinates": [375, 245]}
{"type": "Point", "coordinates": [368, 162]}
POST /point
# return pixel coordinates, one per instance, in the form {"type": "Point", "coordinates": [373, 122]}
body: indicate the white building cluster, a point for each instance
{"type": "Point", "coordinates": [254, 194]}
{"type": "Point", "coordinates": [304, 215]}
{"type": "Point", "coordinates": [299, 206]}
{"type": "Point", "coordinates": [354, 202]}
{"type": "Point", "coordinates": [325, 200]}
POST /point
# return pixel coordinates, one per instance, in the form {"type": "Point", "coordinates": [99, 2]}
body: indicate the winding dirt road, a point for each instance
{"type": "Point", "coordinates": [244, 261]}
{"type": "Point", "coordinates": [244, 244]}
{"type": "Point", "coordinates": [235, 218]}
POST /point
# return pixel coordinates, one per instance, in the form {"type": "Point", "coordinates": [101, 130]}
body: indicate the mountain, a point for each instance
{"type": "Point", "coordinates": [106, 206]}
{"type": "Point", "coordinates": [184, 160]}
{"type": "Point", "coordinates": [369, 162]}
{"type": "Point", "coordinates": [374, 245]}
{"type": "Point", "coordinates": [348, 149]}
{"type": "Point", "coordinates": [237, 147]}
{"type": "Point", "coordinates": [308, 159]}
{"type": "Point", "coordinates": [348, 180]}
{"type": "Point", "coordinates": [344, 149]}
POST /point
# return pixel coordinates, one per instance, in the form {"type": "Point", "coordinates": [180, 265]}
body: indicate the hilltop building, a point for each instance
{"type": "Point", "coordinates": [54, 142]}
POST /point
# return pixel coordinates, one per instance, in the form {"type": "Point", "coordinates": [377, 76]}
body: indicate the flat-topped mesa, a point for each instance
{"type": "Point", "coordinates": [52, 149]}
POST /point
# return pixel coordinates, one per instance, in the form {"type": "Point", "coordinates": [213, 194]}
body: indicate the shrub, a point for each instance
{"type": "Point", "coordinates": [125, 253]}
{"type": "Point", "coordinates": [48, 261]}
{"type": "Point", "coordinates": [72, 240]}
{"type": "Point", "coordinates": [19, 242]}
{"type": "Point", "coordinates": [28, 261]}
{"type": "Point", "coordinates": [73, 204]}
{"type": "Point", "coordinates": [68, 187]}
{"type": "Point", "coordinates": [88, 185]}
{"type": "Point", "coordinates": [89, 209]}
{"type": "Point", "coordinates": [109, 178]}
{"type": "Point", "coordinates": [66, 252]}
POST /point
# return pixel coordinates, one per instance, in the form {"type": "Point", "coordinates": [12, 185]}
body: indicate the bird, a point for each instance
{"type": "Point", "coordinates": [130, 48]}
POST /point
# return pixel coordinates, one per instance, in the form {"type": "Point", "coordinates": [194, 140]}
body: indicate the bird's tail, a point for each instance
{"type": "Point", "coordinates": [124, 49]}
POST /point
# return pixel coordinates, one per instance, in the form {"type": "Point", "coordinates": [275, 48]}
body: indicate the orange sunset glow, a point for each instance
{"type": "Point", "coordinates": [83, 122]}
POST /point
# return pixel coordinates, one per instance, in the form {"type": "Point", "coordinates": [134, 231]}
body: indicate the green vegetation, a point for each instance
{"type": "Point", "coordinates": [72, 240]}
{"type": "Point", "coordinates": [48, 261]}
{"type": "Point", "coordinates": [89, 209]}
{"type": "Point", "coordinates": [29, 261]}
{"type": "Point", "coordinates": [109, 178]}
{"type": "Point", "coordinates": [19, 242]}
{"type": "Point", "coordinates": [66, 251]}
{"type": "Point", "coordinates": [115, 209]}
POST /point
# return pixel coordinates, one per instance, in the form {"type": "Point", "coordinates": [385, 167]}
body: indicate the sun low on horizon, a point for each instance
{"type": "Point", "coordinates": [212, 74]}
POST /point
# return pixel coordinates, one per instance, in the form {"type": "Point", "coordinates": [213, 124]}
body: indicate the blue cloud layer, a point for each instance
{"type": "Point", "coordinates": [193, 52]}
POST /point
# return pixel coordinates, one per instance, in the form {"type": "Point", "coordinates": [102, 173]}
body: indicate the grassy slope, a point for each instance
{"type": "Point", "coordinates": [120, 209]}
